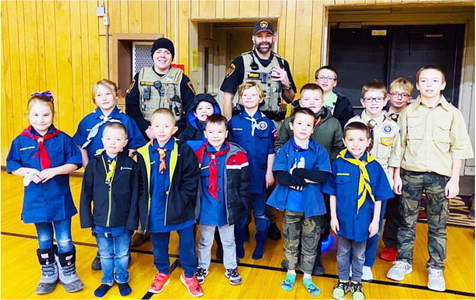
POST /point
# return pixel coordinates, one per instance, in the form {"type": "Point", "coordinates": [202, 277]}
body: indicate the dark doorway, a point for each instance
{"type": "Point", "coordinates": [388, 52]}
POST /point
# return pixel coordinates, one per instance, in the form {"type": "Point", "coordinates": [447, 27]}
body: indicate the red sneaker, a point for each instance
{"type": "Point", "coordinates": [160, 281]}
{"type": "Point", "coordinates": [193, 287]}
{"type": "Point", "coordinates": [389, 254]}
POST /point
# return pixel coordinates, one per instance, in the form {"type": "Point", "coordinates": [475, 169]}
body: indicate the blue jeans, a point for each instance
{"type": "Point", "coordinates": [114, 253]}
{"type": "Point", "coordinates": [187, 254]}
{"type": "Point", "coordinates": [350, 253]}
{"type": "Point", "coordinates": [62, 229]}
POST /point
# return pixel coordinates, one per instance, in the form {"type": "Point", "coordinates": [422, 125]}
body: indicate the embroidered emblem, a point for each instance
{"type": "Point", "coordinates": [230, 70]}
{"type": "Point", "coordinates": [263, 24]}
{"type": "Point", "coordinates": [387, 128]}
{"type": "Point", "coordinates": [262, 125]}
{"type": "Point", "coordinates": [130, 86]}
{"type": "Point", "coordinates": [387, 141]}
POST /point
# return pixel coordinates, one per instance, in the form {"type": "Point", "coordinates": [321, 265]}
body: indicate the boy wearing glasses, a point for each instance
{"type": "Point", "coordinates": [400, 95]}
{"type": "Point", "coordinates": [338, 104]}
{"type": "Point", "coordinates": [384, 146]}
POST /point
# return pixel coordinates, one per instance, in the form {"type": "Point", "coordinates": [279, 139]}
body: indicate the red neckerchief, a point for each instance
{"type": "Point", "coordinates": [45, 161]}
{"type": "Point", "coordinates": [213, 167]}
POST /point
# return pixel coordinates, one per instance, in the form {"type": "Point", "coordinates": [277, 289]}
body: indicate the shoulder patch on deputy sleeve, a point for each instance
{"type": "Point", "coordinates": [190, 85]}
{"type": "Point", "coordinates": [230, 70]}
{"type": "Point", "coordinates": [131, 86]}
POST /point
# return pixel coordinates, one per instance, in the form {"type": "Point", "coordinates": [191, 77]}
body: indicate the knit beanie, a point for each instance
{"type": "Point", "coordinates": [163, 43]}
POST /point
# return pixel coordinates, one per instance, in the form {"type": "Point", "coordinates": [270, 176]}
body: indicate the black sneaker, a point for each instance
{"type": "Point", "coordinates": [96, 264]}
{"type": "Point", "coordinates": [356, 290]}
{"type": "Point", "coordinates": [233, 276]}
{"type": "Point", "coordinates": [273, 232]}
{"type": "Point", "coordinates": [200, 274]}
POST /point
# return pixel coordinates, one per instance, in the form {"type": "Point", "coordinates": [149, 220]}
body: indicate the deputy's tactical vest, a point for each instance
{"type": "Point", "coordinates": [272, 89]}
{"type": "Point", "coordinates": [160, 92]}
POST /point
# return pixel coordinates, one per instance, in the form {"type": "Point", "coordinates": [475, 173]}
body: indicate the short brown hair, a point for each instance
{"type": "Point", "coordinates": [311, 87]}
{"type": "Point", "coordinates": [374, 85]}
{"type": "Point", "coordinates": [216, 119]}
{"type": "Point", "coordinates": [163, 111]}
{"type": "Point", "coordinates": [402, 83]}
{"type": "Point", "coordinates": [304, 111]}
{"type": "Point", "coordinates": [111, 86]}
{"type": "Point", "coordinates": [115, 125]}
{"type": "Point", "coordinates": [330, 68]}
{"type": "Point", "coordinates": [428, 67]}
{"type": "Point", "coordinates": [249, 84]}
{"type": "Point", "coordinates": [357, 126]}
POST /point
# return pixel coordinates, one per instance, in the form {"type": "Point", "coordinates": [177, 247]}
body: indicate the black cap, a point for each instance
{"type": "Point", "coordinates": [163, 43]}
{"type": "Point", "coordinates": [263, 26]}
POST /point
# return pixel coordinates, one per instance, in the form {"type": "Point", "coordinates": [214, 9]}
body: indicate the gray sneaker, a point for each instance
{"type": "Point", "coordinates": [340, 290]}
{"type": "Point", "coordinates": [200, 274]}
{"type": "Point", "coordinates": [233, 276]}
{"type": "Point", "coordinates": [399, 270]}
{"type": "Point", "coordinates": [436, 280]}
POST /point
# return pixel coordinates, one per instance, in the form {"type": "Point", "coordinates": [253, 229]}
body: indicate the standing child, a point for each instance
{"type": "Point", "coordinates": [204, 105]}
{"type": "Point", "coordinates": [111, 182]}
{"type": "Point", "coordinates": [253, 131]}
{"type": "Point", "coordinates": [338, 104]}
{"type": "Point", "coordinates": [301, 166]}
{"type": "Point", "coordinates": [45, 156]}
{"type": "Point", "coordinates": [357, 186]}
{"type": "Point", "coordinates": [90, 128]}
{"type": "Point", "coordinates": [223, 197]}
{"type": "Point", "coordinates": [400, 92]}
{"type": "Point", "coordinates": [384, 146]}
{"type": "Point", "coordinates": [170, 175]}
{"type": "Point", "coordinates": [435, 142]}
{"type": "Point", "coordinates": [328, 133]}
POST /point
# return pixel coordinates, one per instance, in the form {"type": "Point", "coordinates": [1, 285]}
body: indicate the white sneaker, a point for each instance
{"type": "Point", "coordinates": [436, 280]}
{"type": "Point", "coordinates": [399, 270]}
{"type": "Point", "coordinates": [367, 274]}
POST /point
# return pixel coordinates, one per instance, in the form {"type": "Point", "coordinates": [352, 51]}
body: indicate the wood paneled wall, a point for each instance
{"type": "Point", "coordinates": [60, 45]}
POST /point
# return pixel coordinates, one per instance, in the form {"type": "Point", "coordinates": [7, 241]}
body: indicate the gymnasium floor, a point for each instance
{"type": "Point", "coordinates": [261, 278]}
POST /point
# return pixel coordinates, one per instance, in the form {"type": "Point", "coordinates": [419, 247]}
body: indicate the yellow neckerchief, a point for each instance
{"type": "Point", "coordinates": [364, 179]}
{"type": "Point", "coordinates": [112, 170]}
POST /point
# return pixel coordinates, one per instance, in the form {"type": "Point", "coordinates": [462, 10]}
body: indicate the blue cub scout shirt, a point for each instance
{"type": "Point", "coordinates": [134, 134]}
{"type": "Point", "coordinates": [258, 144]}
{"type": "Point", "coordinates": [49, 201]}
{"type": "Point", "coordinates": [344, 184]}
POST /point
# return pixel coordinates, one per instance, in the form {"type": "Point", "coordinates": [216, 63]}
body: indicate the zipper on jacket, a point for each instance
{"type": "Point", "coordinates": [109, 210]}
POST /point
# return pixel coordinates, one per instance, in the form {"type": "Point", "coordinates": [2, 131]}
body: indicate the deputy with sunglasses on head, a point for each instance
{"type": "Point", "coordinates": [265, 67]}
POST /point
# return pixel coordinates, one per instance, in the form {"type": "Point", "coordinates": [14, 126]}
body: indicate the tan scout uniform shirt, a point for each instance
{"type": "Point", "coordinates": [387, 145]}
{"type": "Point", "coordinates": [433, 137]}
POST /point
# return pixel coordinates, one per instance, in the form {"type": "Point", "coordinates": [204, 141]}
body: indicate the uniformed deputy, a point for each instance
{"type": "Point", "coordinates": [159, 86]}
{"type": "Point", "coordinates": [264, 66]}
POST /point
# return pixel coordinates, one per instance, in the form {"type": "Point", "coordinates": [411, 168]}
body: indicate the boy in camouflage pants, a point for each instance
{"type": "Point", "coordinates": [434, 143]}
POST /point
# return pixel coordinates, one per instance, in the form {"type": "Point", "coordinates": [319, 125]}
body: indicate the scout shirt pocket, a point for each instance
{"type": "Point", "coordinates": [344, 190]}
{"type": "Point", "coordinates": [27, 153]}
{"type": "Point", "coordinates": [441, 135]}
{"type": "Point", "coordinates": [384, 147]}
{"type": "Point", "coordinates": [416, 128]}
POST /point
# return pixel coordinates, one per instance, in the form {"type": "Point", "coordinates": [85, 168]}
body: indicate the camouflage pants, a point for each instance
{"type": "Point", "coordinates": [298, 229]}
{"type": "Point", "coordinates": [414, 183]}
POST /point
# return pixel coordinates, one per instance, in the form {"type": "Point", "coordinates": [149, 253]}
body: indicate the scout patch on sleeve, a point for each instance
{"type": "Point", "coordinates": [230, 70]}
{"type": "Point", "coordinates": [131, 86]}
{"type": "Point", "coordinates": [190, 85]}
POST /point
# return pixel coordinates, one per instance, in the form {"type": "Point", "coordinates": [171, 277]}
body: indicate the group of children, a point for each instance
{"type": "Point", "coordinates": [345, 174]}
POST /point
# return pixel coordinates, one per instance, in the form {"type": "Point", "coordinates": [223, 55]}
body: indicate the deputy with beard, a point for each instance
{"type": "Point", "coordinates": [264, 66]}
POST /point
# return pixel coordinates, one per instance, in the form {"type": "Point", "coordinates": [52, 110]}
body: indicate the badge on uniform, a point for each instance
{"type": "Point", "coordinates": [387, 141]}
{"type": "Point", "coordinates": [262, 125]}
{"type": "Point", "coordinates": [230, 70]}
{"type": "Point", "coordinates": [130, 86]}
{"type": "Point", "coordinates": [190, 85]}
{"type": "Point", "coordinates": [387, 128]}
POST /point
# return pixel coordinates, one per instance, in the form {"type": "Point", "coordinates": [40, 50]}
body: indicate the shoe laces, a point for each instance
{"type": "Point", "coordinates": [233, 272]}
{"type": "Point", "coordinates": [69, 270]}
{"type": "Point", "coordinates": [200, 272]}
{"type": "Point", "coordinates": [400, 265]}
{"type": "Point", "coordinates": [341, 285]}
{"type": "Point", "coordinates": [435, 273]}
{"type": "Point", "coordinates": [356, 287]}
{"type": "Point", "coordinates": [48, 270]}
